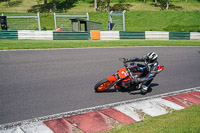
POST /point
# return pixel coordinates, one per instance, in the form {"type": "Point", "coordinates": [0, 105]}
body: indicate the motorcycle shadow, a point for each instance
{"type": "Point", "coordinates": [132, 90]}
{"type": "Point", "coordinates": [148, 91]}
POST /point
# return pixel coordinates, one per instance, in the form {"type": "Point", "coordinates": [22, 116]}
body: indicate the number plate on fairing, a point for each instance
{"type": "Point", "coordinates": [122, 72]}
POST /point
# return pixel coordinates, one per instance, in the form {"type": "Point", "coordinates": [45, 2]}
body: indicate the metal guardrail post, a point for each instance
{"type": "Point", "coordinates": [55, 20]}
{"type": "Point", "coordinates": [124, 20]}
{"type": "Point", "coordinates": [39, 26]}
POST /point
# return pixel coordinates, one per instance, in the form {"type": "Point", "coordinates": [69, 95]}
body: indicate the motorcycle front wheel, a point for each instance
{"type": "Point", "coordinates": [102, 85]}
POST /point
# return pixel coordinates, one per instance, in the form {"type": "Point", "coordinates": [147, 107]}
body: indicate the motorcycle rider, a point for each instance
{"type": "Point", "coordinates": [150, 68]}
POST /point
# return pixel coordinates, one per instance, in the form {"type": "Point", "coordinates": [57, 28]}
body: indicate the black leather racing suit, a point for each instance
{"type": "Point", "coordinates": [150, 70]}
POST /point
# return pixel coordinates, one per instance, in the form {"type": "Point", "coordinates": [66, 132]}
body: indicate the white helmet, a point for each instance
{"type": "Point", "coordinates": [151, 57]}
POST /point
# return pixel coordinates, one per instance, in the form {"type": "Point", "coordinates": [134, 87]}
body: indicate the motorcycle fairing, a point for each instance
{"type": "Point", "coordinates": [111, 78]}
{"type": "Point", "coordinates": [122, 73]}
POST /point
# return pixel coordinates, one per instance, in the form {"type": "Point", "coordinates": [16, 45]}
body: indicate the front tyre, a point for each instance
{"type": "Point", "coordinates": [102, 85]}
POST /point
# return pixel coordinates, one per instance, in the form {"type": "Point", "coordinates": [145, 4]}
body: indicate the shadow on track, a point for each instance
{"type": "Point", "coordinates": [132, 90]}
{"type": "Point", "coordinates": [148, 91]}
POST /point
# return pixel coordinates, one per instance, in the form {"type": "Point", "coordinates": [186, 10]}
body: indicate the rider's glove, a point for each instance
{"type": "Point", "coordinates": [126, 60]}
{"type": "Point", "coordinates": [136, 80]}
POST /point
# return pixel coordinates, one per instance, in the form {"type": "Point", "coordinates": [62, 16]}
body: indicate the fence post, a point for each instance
{"type": "Point", "coordinates": [39, 26]}
{"type": "Point", "coordinates": [124, 20]}
{"type": "Point", "coordinates": [87, 16]}
{"type": "Point", "coordinates": [55, 20]}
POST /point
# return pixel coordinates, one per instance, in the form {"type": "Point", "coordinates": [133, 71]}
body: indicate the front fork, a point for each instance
{"type": "Point", "coordinates": [114, 83]}
{"type": "Point", "coordinates": [115, 79]}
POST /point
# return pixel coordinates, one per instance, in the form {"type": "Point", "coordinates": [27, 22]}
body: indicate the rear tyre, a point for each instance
{"type": "Point", "coordinates": [102, 85]}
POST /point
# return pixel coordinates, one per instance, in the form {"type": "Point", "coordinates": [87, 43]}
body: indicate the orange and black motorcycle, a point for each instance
{"type": "Point", "coordinates": [124, 77]}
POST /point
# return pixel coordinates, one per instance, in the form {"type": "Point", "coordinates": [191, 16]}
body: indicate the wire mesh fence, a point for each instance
{"type": "Point", "coordinates": [118, 18]}
{"type": "Point", "coordinates": [63, 20]}
{"type": "Point", "coordinates": [23, 21]}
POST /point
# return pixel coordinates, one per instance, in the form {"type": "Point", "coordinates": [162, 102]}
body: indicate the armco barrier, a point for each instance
{"type": "Point", "coordinates": [179, 35]}
{"type": "Point", "coordinates": [109, 35]}
{"type": "Point", "coordinates": [11, 34]}
{"type": "Point", "coordinates": [156, 35]}
{"type": "Point", "coordinates": [36, 35]}
{"type": "Point", "coordinates": [132, 34]}
{"type": "Point", "coordinates": [194, 35]}
{"type": "Point", "coordinates": [70, 35]}
{"type": "Point", "coordinates": [97, 35]}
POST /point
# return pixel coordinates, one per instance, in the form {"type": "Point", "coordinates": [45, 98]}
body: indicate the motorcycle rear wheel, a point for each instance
{"type": "Point", "coordinates": [102, 85]}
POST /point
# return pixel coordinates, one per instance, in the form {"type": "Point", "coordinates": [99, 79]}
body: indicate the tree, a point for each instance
{"type": "Point", "coordinates": [45, 2]}
{"type": "Point", "coordinates": [164, 4]}
{"type": "Point", "coordinates": [156, 2]}
{"type": "Point", "coordinates": [8, 3]}
{"type": "Point", "coordinates": [95, 5]}
{"type": "Point", "coordinates": [67, 2]}
{"type": "Point", "coordinates": [108, 5]}
{"type": "Point", "coordinates": [167, 4]}
{"type": "Point", "coordinates": [54, 5]}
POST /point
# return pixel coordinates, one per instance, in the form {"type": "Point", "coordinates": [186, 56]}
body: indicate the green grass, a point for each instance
{"type": "Point", "coordinates": [183, 121]}
{"type": "Point", "coordinates": [20, 6]}
{"type": "Point", "coordinates": [182, 16]}
{"type": "Point", "coordinates": [45, 44]}
{"type": "Point", "coordinates": [47, 21]}
{"type": "Point", "coordinates": [87, 5]}
{"type": "Point", "coordinates": [175, 21]}
{"type": "Point", "coordinates": [180, 21]}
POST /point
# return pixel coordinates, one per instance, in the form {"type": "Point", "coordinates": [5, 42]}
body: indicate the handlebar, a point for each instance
{"type": "Point", "coordinates": [123, 60]}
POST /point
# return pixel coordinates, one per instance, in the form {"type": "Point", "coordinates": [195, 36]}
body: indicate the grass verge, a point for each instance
{"type": "Point", "coordinates": [78, 6]}
{"type": "Point", "coordinates": [46, 44]}
{"type": "Point", "coordinates": [181, 17]}
{"type": "Point", "coordinates": [174, 21]}
{"type": "Point", "coordinates": [183, 121]}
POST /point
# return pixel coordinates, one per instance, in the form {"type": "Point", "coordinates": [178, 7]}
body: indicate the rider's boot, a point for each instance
{"type": "Point", "coordinates": [139, 86]}
{"type": "Point", "coordinates": [144, 89]}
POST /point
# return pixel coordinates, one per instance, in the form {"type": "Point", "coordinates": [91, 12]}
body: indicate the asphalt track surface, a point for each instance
{"type": "Point", "coordinates": [36, 83]}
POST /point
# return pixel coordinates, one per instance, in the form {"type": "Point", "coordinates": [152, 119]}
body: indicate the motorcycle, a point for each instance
{"type": "Point", "coordinates": [124, 77]}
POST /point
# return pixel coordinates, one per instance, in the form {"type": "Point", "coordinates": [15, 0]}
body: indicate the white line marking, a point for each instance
{"type": "Point", "coordinates": [13, 50]}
